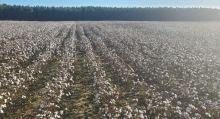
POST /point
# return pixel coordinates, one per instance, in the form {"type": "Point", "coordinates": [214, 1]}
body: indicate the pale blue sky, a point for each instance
{"type": "Point", "coordinates": [118, 3]}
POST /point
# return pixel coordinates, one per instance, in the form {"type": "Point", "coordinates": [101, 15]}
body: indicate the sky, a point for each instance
{"type": "Point", "coordinates": [118, 3]}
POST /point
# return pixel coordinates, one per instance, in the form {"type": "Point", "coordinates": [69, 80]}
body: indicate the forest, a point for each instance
{"type": "Point", "coordinates": [43, 13]}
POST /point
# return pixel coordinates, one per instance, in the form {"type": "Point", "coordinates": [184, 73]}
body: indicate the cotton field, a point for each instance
{"type": "Point", "coordinates": [110, 70]}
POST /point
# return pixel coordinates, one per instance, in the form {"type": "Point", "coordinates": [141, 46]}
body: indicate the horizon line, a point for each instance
{"type": "Point", "coordinates": [78, 6]}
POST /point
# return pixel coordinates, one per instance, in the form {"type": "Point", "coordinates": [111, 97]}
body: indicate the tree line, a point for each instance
{"type": "Point", "coordinates": [40, 13]}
